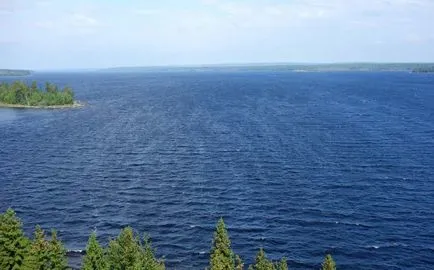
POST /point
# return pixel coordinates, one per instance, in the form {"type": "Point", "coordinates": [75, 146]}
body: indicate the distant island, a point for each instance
{"type": "Point", "coordinates": [14, 72]}
{"type": "Point", "coordinates": [20, 95]}
{"type": "Point", "coordinates": [279, 67]}
{"type": "Point", "coordinates": [424, 69]}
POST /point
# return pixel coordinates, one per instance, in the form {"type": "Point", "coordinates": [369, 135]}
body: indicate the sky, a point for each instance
{"type": "Point", "coordinates": [65, 34]}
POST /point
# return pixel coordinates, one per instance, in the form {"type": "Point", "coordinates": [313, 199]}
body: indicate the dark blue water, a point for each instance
{"type": "Point", "coordinates": [298, 163]}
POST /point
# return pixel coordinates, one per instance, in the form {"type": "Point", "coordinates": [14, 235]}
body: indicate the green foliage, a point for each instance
{"type": "Point", "coordinates": [22, 94]}
{"type": "Point", "coordinates": [329, 263]}
{"type": "Point", "coordinates": [239, 265]}
{"type": "Point", "coordinates": [281, 265]}
{"type": "Point", "coordinates": [57, 252]}
{"type": "Point", "coordinates": [127, 252]}
{"type": "Point", "coordinates": [13, 243]}
{"type": "Point", "coordinates": [263, 263]}
{"type": "Point", "coordinates": [94, 259]}
{"type": "Point", "coordinates": [222, 256]}
{"type": "Point", "coordinates": [44, 254]}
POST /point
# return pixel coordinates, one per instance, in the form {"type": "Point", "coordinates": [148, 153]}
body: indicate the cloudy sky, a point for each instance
{"type": "Point", "coordinates": [61, 34]}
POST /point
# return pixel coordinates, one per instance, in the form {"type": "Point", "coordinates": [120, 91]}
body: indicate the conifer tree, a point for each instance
{"type": "Point", "coordinates": [94, 259]}
{"type": "Point", "coordinates": [45, 255]}
{"type": "Point", "coordinates": [34, 87]}
{"type": "Point", "coordinates": [329, 263]}
{"type": "Point", "coordinates": [281, 265]}
{"type": "Point", "coordinates": [261, 262]}
{"type": "Point", "coordinates": [149, 261]}
{"type": "Point", "coordinates": [38, 252]}
{"type": "Point", "coordinates": [57, 253]}
{"type": "Point", "coordinates": [124, 252]}
{"type": "Point", "coordinates": [127, 253]}
{"type": "Point", "coordinates": [13, 243]}
{"type": "Point", "coordinates": [222, 256]}
{"type": "Point", "coordinates": [239, 265]}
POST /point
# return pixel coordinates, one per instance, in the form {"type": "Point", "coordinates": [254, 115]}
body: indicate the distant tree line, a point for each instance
{"type": "Point", "coordinates": [128, 251]}
{"type": "Point", "coordinates": [20, 93]}
{"type": "Point", "coordinates": [14, 72]}
{"type": "Point", "coordinates": [424, 69]}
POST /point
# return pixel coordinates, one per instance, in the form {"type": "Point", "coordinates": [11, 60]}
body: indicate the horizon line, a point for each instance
{"type": "Point", "coordinates": [235, 64]}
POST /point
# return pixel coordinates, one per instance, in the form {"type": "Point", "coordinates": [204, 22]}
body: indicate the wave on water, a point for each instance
{"type": "Point", "coordinates": [297, 163]}
{"type": "Point", "coordinates": [387, 245]}
{"type": "Point", "coordinates": [75, 252]}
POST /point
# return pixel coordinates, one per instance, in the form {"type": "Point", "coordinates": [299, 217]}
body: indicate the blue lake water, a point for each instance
{"type": "Point", "coordinates": [298, 163]}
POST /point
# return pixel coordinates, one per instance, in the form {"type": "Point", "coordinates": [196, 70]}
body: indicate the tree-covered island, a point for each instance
{"type": "Point", "coordinates": [14, 72]}
{"type": "Point", "coordinates": [21, 95]}
{"type": "Point", "coordinates": [426, 69]}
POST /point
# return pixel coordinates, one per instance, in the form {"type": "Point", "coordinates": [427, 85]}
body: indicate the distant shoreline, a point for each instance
{"type": "Point", "coordinates": [14, 72]}
{"type": "Point", "coordinates": [76, 104]}
{"type": "Point", "coordinates": [288, 67]}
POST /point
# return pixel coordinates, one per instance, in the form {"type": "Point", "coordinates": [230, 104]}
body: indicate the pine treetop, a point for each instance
{"type": "Point", "coordinates": [94, 259]}
{"type": "Point", "coordinates": [13, 243]}
{"type": "Point", "coordinates": [329, 263]}
{"type": "Point", "coordinates": [222, 256]}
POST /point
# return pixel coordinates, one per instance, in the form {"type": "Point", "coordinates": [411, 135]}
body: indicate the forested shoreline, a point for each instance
{"type": "Point", "coordinates": [428, 69]}
{"type": "Point", "coordinates": [128, 251]}
{"type": "Point", "coordinates": [14, 72]}
{"type": "Point", "coordinates": [20, 93]}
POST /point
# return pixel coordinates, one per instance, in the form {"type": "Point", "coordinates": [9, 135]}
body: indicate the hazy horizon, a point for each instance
{"type": "Point", "coordinates": [58, 35]}
{"type": "Point", "coordinates": [258, 64]}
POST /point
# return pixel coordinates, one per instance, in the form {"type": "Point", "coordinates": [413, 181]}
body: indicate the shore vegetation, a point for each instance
{"type": "Point", "coordinates": [19, 93]}
{"type": "Point", "coordinates": [128, 251]}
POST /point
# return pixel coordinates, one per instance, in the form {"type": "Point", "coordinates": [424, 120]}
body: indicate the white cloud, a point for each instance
{"type": "Point", "coordinates": [297, 30]}
{"type": "Point", "coordinates": [83, 21]}
{"type": "Point", "coordinates": [144, 11]}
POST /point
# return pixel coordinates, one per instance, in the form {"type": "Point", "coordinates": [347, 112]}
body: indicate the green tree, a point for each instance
{"type": "Point", "coordinates": [261, 262]}
{"type": "Point", "coordinates": [44, 254]}
{"type": "Point", "coordinates": [126, 252]}
{"type": "Point", "coordinates": [222, 257]}
{"type": "Point", "coordinates": [239, 265]}
{"type": "Point", "coordinates": [94, 259]}
{"type": "Point", "coordinates": [13, 243]}
{"type": "Point", "coordinates": [57, 253]}
{"type": "Point", "coordinates": [281, 265]}
{"type": "Point", "coordinates": [50, 88]}
{"type": "Point", "coordinates": [329, 263]}
{"type": "Point", "coordinates": [148, 260]}
{"type": "Point", "coordinates": [34, 87]}
{"type": "Point", "coordinates": [38, 252]}
{"type": "Point", "coordinates": [20, 93]}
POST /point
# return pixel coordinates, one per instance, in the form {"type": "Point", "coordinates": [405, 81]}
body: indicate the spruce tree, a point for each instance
{"type": "Point", "coordinates": [149, 261]}
{"type": "Point", "coordinates": [44, 254]}
{"type": "Point", "coordinates": [38, 252]}
{"type": "Point", "coordinates": [124, 252]}
{"type": "Point", "coordinates": [239, 265]}
{"type": "Point", "coordinates": [261, 262]}
{"type": "Point", "coordinates": [281, 265]}
{"type": "Point", "coordinates": [222, 256]}
{"type": "Point", "coordinates": [94, 259]}
{"type": "Point", "coordinates": [13, 243]}
{"type": "Point", "coordinates": [329, 263]}
{"type": "Point", "coordinates": [57, 253]}
{"type": "Point", "coordinates": [127, 253]}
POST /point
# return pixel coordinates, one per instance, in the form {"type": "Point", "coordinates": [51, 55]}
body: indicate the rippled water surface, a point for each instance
{"type": "Point", "coordinates": [298, 163]}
